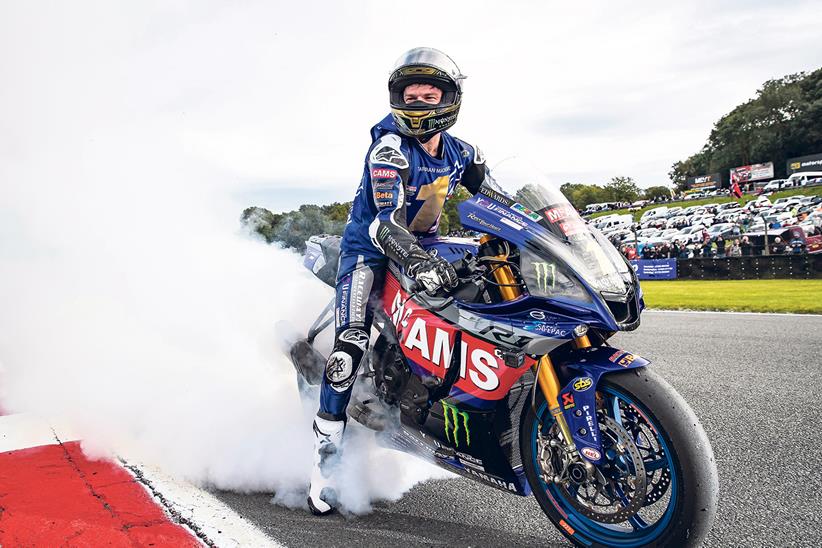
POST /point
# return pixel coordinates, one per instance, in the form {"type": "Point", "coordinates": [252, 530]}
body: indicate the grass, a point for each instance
{"type": "Point", "coordinates": [806, 191]}
{"type": "Point", "coordinates": [800, 296]}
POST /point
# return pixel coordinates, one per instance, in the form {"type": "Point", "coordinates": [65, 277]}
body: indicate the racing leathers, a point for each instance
{"type": "Point", "coordinates": [400, 199]}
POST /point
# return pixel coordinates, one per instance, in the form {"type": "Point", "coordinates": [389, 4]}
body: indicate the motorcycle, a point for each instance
{"type": "Point", "coordinates": [509, 380]}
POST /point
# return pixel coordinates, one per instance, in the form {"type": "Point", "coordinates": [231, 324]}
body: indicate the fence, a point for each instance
{"type": "Point", "coordinates": [766, 267]}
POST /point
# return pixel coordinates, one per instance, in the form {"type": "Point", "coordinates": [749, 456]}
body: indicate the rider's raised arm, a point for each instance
{"type": "Point", "coordinates": [475, 168]}
{"type": "Point", "coordinates": [388, 171]}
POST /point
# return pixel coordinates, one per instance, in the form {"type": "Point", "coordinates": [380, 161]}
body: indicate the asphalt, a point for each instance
{"type": "Point", "coordinates": [752, 379]}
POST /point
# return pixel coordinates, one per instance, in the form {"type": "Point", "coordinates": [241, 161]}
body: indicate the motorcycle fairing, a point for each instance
{"type": "Point", "coordinates": [577, 399]}
{"type": "Point", "coordinates": [491, 215]}
{"type": "Point", "coordinates": [426, 340]}
{"type": "Point", "coordinates": [482, 445]}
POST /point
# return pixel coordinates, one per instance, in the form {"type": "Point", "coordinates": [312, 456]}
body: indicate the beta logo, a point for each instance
{"type": "Point", "coordinates": [583, 383]}
{"type": "Point", "coordinates": [384, 195]}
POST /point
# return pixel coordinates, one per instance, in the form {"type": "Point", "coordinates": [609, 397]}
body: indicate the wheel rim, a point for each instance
{"type": "Point", "coordinates": [647, 525]}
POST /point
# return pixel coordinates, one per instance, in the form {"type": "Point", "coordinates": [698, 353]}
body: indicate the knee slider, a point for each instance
{"type": "Point", "coordinates": [344, 361]}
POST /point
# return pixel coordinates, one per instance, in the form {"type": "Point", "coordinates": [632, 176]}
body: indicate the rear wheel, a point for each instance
{"type": "Point", "coordinates": [657, 485]}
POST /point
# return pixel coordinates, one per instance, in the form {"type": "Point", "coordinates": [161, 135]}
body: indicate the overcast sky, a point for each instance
{"type": "Point", "coordinates": [278, 97]}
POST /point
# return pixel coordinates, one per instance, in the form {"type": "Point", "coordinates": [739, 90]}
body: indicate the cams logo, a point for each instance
{"type": "Point", "coordinates": [453, 417]}
{"type": "Point", "coordinates": [546, 275]}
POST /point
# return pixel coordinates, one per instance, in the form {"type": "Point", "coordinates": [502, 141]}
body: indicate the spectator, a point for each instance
{"type": "Point", "coordinates": [778, 247]}
{"type": "Point", "coordinates": [720, 246]}
{"type": "Point", "coordinates": [706, 249]}
{"type": "Point", "coordinates": [735, 250]}
{"type": "Point", "coordinates": [797, 246]}
{"type": "Point", "coordinates": [745, 246]}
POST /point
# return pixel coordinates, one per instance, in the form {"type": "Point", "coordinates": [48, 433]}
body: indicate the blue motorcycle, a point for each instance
{"type": "Point", "coordinates": [509, 379]}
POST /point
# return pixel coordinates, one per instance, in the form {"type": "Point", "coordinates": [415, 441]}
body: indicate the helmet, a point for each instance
{"type": "Point", "coordinates": [425, 66]}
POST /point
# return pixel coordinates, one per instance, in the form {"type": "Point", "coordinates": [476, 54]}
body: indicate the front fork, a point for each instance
{"type": "Point", "coordinates": [549, 384]}
{"type": "Point", "coordinates": [546, 375]}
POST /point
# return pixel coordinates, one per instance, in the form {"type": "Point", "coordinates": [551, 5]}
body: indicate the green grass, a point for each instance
{"type": "Point", "coordinates": [810, 191]}
{"type": "Point", "coordinates": [801, 296]}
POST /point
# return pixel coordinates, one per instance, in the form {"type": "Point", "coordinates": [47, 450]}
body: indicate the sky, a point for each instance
{"type": "Point", "coordinates": [277, 98]}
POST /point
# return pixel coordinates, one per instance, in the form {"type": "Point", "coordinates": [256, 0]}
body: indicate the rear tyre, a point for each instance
{"type": "Point", "coordinates": [680, 504]}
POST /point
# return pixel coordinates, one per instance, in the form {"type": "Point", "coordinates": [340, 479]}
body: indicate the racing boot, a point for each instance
{"type": "Point", "coordinates": [321, 495]}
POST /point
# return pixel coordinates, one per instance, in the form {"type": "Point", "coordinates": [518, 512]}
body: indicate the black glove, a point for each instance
{"type": "Point", "coordinates": [432, 273]}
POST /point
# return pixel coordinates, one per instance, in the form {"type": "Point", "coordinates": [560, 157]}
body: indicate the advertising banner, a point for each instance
{"type": "Point", "coordinates": [812, 162]}
{"type": "Point", "coordinates": [705, 182]}
{"type": "Point", "coordinates": [814, 244]}
{"type": "Point", "coordinates": [655, 269]}
{"type": "Point", "coordinates": [753, 172]}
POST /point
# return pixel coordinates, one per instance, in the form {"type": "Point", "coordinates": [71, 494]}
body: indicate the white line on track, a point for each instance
{"type": "Point", "coordinates": [199, 510]}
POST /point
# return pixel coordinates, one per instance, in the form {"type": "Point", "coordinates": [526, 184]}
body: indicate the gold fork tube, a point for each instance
{"type": "Point", "coordinates": [549, 384]}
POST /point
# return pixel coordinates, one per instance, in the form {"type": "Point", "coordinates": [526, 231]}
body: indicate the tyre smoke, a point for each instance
{"type": "Point", "coordinates": [134, 309]}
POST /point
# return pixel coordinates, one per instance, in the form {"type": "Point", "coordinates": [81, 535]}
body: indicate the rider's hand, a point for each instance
{"type": "Point", "coordinates": [432, 273]}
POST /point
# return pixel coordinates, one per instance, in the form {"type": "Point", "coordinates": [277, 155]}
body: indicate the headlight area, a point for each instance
{"type": "Point", "coordinates": [549, 279]}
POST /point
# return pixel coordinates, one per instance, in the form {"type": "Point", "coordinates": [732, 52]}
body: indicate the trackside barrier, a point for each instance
{"type": "Point", "coordinates": [767, 267]}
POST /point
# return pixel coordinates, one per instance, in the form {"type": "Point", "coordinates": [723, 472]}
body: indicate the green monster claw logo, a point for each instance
{"type": "Point", "coordinates": [546, 275]}
{"type": "Point", "coordinates": [452, 423]}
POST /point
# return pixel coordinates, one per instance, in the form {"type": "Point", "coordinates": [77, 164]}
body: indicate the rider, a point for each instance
{"type": "Point", "coordinates": [411, 167]}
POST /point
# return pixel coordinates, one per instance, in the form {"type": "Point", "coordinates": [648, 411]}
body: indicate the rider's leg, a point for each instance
{"type": "Point", "coordinates": [358, 285]}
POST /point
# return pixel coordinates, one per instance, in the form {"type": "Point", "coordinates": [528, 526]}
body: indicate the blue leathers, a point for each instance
{"type": "Point", "coordinates": [400, 198]}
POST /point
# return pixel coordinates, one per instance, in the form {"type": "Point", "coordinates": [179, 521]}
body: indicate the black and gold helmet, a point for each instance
{"type": "Point", "coordinates": [425, 66]}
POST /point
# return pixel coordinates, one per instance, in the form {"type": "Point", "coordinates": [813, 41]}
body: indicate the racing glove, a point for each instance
{"type": "Point", "coordinates": [432, 273]}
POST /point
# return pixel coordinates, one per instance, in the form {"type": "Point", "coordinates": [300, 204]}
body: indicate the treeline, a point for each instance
{"type": "Point", "coordinates": [292, 228]}
{"type": "Point", "coordinates": [619, 189]}
{"type": "Point", "coordinates": [783, 121]}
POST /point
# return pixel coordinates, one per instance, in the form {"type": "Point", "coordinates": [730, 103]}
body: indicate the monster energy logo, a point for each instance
{"type": "Point", "coordinates": [452, 424]}
{"type": "Point", "coordinates": [546, 275]}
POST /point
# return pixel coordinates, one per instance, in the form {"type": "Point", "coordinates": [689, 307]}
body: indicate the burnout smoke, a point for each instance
{"type": "Point", "coordinates": [134, 309]}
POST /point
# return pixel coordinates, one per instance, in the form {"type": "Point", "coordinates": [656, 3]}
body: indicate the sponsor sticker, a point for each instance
{"type": "Point", "coordinates": [568, 401]}
{"type": "Point", "coordinates": [590, 453]}
{"type": "Point", "coordinates": [537, 314]}
{"type": "Point", "coordinates": [527, 212]}
{"type": "Point", "coordinates": [383, 173]}
{"type": "Point", "coordinates": [380, 195]}
{"type": "Point", "coordinates": [582, 384]}
{"type": "Point", "coordinates": [568, 529]}
{"type": "Point", "coordinates": [622, 358]}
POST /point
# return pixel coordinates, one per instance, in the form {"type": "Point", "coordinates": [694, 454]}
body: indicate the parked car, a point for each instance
{"type": "Point", "coordinates": [726, 230]}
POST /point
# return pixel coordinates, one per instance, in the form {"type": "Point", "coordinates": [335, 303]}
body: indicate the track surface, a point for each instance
{"type": "Point", "coordinates": [752, 379]}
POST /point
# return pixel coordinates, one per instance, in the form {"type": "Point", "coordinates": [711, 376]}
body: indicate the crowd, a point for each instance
{"type": "Point", "coordinates": [714, 248]}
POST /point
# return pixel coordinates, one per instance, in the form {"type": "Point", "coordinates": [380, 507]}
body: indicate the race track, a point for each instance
{"type": "Point", "coordinates": [752, 379]}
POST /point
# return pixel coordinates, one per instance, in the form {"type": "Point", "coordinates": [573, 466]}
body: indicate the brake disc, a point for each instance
{"type": "Point", "coordinates": [659, 480]}
{"type": "Point", "coordinates": [616, 490]}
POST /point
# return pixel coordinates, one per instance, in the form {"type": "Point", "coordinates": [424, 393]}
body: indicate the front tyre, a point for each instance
{"type": "Point", "coordinates": [648, 420]}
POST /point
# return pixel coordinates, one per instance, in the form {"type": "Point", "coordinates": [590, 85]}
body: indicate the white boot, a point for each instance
{"type": "Point", "coordinates": [321, 495]}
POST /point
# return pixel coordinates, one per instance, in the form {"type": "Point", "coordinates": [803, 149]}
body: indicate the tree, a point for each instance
{"type": "Point", "coordinates": [450, 219]}
{"type": "Point", "coordinates": [783, 120]}
{"type": "Point", "coordinates": [656, 192]}
{"type": "Point", "coordinates": [622, 189]}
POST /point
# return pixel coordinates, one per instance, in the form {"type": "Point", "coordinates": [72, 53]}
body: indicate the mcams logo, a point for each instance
{"type": "Point", "coordinates": [452, 417]}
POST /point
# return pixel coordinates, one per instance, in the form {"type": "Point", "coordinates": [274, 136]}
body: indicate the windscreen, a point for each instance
{"type": "Point", "coordinates": [568, 238]}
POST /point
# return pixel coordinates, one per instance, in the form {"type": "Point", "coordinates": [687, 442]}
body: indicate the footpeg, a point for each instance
{"type": "Point", "coordinates": [369, 413]}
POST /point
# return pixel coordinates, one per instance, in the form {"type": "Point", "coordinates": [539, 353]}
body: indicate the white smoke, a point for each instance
{"type": "Point", "coordinates": [132, 307]}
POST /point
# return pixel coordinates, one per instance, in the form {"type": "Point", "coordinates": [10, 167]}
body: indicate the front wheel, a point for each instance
{"type": "Point", "coordinates": [657, 484]}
